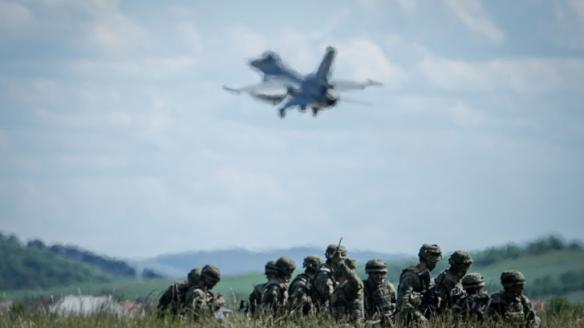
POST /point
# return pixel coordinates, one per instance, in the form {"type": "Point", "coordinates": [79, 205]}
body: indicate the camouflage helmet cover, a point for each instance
{"type": "Point", "coordinates": [430, 252]}
{"type": "Point", "coordinates": [375, 265]}
{"type": "Point", "coordinates": [312, 262]}
{"type": "Point", "coordinates": [194, 275]}
{"type": "Point", "coordinates": [270, 267]}
{"type": "Point", "coordinates": [212, 272]}
{"type": "Point", "coordinates": [460, 258]}
{"type": "Point", "coordinates": [510, 278]}
{"type": "Point", "coordinates": [331, 250]}
{"type": "Point", "coordinates": [473, 280]}
{"type": "Point", "coordinates": [285, 265]}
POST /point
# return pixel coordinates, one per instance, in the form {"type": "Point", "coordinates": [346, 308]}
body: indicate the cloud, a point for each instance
{"type": "Point", "coordinates": [14, 15]}
{"type": "Point", "coordinates": [523, 75]}
{"type": "Point", "coordinates": [365, 59]}
{"type": "Point", "coordinates": [474, 17]}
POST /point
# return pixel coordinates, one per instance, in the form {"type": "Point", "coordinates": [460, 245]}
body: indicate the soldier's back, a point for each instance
{"type": "Point", "coordinates": [323, 286]}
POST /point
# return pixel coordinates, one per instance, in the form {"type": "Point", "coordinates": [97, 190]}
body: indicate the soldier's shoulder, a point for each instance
{"type": "Point", "coordinates": [497, 297]}
{"type": "Point", "coordinates": [409, 273]}
{"type": "Point", "coordinates": [389, 285]}
{"type": "Point", "coordinates": [300, 280]}
{"type": "Point", "coordinates": [525, 300]}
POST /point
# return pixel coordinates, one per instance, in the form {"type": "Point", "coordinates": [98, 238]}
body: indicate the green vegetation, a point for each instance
{"type": "Point", "coordinates": [559, 313]}
{"type": "Point", "coordinates": [23, 267]}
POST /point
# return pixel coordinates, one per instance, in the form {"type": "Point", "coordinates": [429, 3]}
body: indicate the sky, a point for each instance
{"type": "Point", "coordinates": [116, 136]}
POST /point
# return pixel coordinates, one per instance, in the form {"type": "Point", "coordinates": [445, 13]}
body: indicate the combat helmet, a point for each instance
{"type": "Point", "coordinates": [312, 263]}
{"type": "Point", "coordinates": [332, 250]}
{"type": "Point", "coordinates": [211, 273]}
{"type": "Point", "coordinates": [270, 268]}
{"type": "Point", "coordinates": [285, 266]}
{"type": "Point", "coordinates": [473, 280]}
{"type": "Point", "coordinates": [194, 276]}
{"type": "Point", "coordinates": [511, 278]}
{"type": "Point", "coordinates": [460, 259]}
{"type": "Point", "coordinates": [375, 265]}
{"type": "Point", "coordinates": [430, 252]}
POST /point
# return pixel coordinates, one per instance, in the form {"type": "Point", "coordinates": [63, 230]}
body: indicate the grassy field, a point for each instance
{"type": "Point", "coordinates": [559, 314]}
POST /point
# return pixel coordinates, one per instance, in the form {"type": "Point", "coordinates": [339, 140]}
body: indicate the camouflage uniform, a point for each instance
{"type": "Point", "coordinates": [324, 282]}
{"type": "Point", "coordinates": [301, 291]}
{"type": "Point", "coordinates": [346, 302]}
{"type": "Point", "coordinates": [473, 304]}
{"type": "Point", "coordinates": [511, 305]}
{"type": "Point", "coordinates": [275, 295]}
{"type": "Point", "coordinates": [380, 295]}
{"type": "Point", "coordinates": [173, 300]}
{"type": "Point", "coordinates": [448, 289]}
{"type": "Point", "coordinates": [415, 283]}
{"type": "Point", "coordinates": [255, 298]}
{"type": "Point", "coordinates": [199, 299]}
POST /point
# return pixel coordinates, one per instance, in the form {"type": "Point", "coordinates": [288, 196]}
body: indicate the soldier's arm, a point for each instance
{"type": "Point", "coordinates": [408, 301]}
{"type": "Point", "coordinates": [270, 295]}
{"type": "Point", "coordinates": [165, 300]}
{"type": "Point", "coordinates": [198, 301]}
{"type": "Point", "coordinates": [530, 315]}
{"type": "Point", "coordinates": [323, 284]}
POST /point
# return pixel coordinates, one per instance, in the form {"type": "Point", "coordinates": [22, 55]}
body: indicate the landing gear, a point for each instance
{"type": "Point", "coordinates": [314, 111]}
{"type": "Point", "coordinates": [282, 112]}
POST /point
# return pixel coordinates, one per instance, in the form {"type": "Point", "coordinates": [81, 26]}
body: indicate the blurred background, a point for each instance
{"type": "Point", "coordinates": [118, 145]}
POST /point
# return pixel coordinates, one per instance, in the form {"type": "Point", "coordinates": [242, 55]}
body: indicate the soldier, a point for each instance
{"type": "Point", "coordinates": [275, 295]}
{"type": "Point", "coordinates": [380, 295]}
{"type": "Point", "coordinates": [199, 300]}
{"type": "Point", "coordinates": [448, 288]}
{"type": "Point", "coordinates": [346, 302]}
{"type": "Point", "coordinates": [473, 304]}
{"type": "Point", "coordinates": [301, 288]}
{"type": "Point", "coordinates": [255, 298]}
{"type": "Point", "coordinates": [414, 283]}
{"type": "Point", "coordinates": [510, 304]}
{"type": "Point", "coordinates": [173, 299]}
{"type": "Point", "coordinates": [324, 282]}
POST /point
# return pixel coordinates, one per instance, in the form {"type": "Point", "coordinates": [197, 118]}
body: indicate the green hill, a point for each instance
{"type": "Point", "coordinates": [552, 268]}
{"type": "Point", "coordinates": [24, 267]}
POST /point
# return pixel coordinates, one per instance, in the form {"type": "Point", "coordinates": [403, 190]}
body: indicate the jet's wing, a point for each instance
{"type": "Point", "coordinates": [270, 91]}
{"type": "Point", "coordinates": [272, 67]}
{"type": "Point", "coordinates": [341, 85]}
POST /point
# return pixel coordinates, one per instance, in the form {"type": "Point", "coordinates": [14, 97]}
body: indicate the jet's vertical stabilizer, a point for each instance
{"type": "Point", "coordinates": [324, 68]}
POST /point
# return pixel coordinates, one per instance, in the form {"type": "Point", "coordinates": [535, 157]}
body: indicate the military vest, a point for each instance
{"type": "Point", "coordinates": [379, 298]}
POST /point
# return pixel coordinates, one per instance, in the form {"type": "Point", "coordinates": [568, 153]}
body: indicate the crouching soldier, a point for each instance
{"type": "Point", "coordinates": [255, 298]}
{"type": "Point", "coordinates": [173, 300]}
{"type": "Point", "coordinates": [415, 283]}
{"type": "Point", "coordinates": [200, 300]}
{"type": "Point", "coordinates": [380, 295]}
{"type": "Point", "coordinates": [346, 302]}
{"type": "Point", "coordinates": [511, 305]}
{"type": "Point", "coordinates": [473, 304]}
{"type": "Point", "coordinates": [301, 291]}
{"type": "Point", "coordinates": [324, 282]}
{"type": "Point", "coordinates": [275, 295]}
{"type": "Point", "coordinates": [448, 288]}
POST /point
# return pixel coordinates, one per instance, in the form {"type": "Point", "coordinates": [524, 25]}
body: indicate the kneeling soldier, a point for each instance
{"type": "Point", "coordinates": [201, 300]}
{"type": "Point", "coordinates": [301, 291]}
{"type": "Point", "coordinates": [347, 299]}
{"type": "Point", "coordinates": [510, 304]}
{"type": "Point", "coordinates": [473, 304]}
{"type": "Point", "coordinates": [380, 295]}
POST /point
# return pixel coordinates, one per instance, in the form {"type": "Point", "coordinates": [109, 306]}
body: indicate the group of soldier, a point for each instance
{"type": "Point", "coordinates": [333, 287]}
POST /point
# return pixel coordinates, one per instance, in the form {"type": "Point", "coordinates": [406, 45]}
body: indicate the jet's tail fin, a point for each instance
{"type": "Point", "coordinates": [324, 69]}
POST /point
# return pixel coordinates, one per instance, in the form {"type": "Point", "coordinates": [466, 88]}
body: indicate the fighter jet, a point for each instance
{"type": "Point", "coordinates": [285, 87]}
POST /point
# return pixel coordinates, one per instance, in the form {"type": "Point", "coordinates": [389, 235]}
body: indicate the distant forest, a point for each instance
{"type": "Point", "coordinates": [35, 265]}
